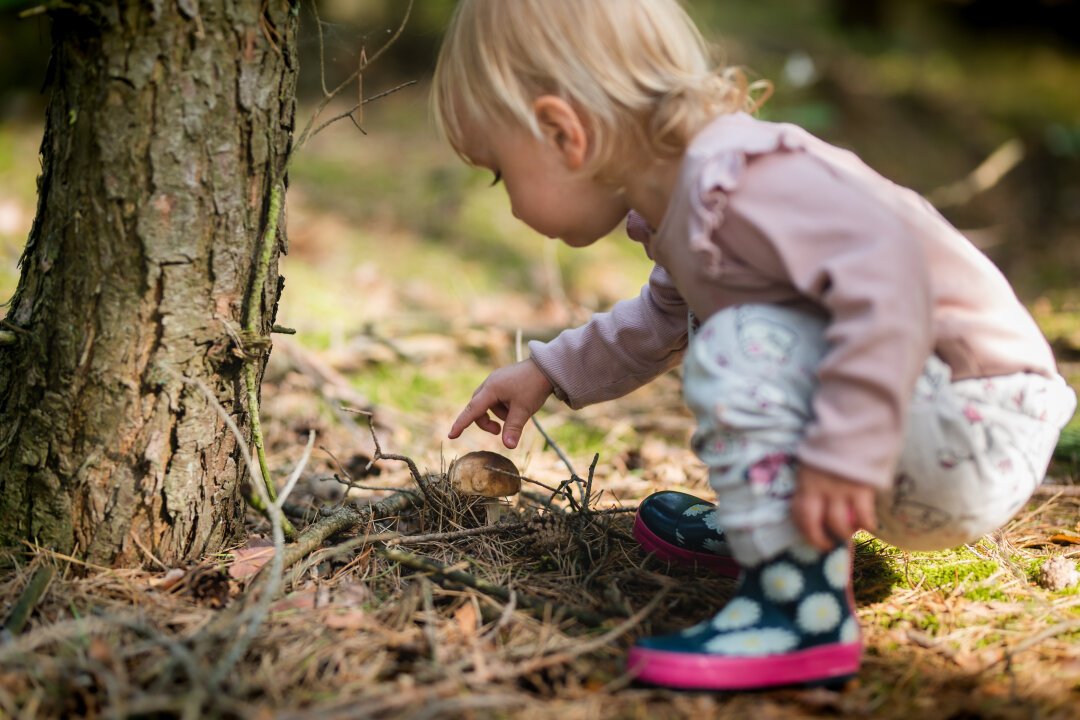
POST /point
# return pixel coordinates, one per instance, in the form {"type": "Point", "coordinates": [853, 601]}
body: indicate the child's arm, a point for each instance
{"type": "Point", "coordinates": [617, 352]}
{"type": "Point", "coordinates": [612, 354]}
{"type": "Point", "coordinates": [827, 507]}
{"type": "Point", "coordinates": [514, 393]}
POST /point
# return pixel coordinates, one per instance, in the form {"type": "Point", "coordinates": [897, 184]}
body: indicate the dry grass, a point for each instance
{"type": "Point", "coordinates": [357, 633]}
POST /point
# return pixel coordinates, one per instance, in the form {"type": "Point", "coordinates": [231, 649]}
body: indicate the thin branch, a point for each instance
{"type": "Point", "coordinates": [1039, 637]}
{"type": "Point", "coordinates": [380, 455]}
{"type": "Point", "coordinates": [322, 48]}
{"type": "Point", "coordinates": [305, 134]}
{"type": "Point", "coordinates": [251, 321]}
{"type": "Point", "coordinates": [346, 518]}
{"type": "Point", "coordinates": [588, 485]}
{"type": "Point", "coordinates": [356, 107]}
{"type": "Point", "coordinates": [520, 528]}
{"type": "Point", "coordinates": [13, 327]}
{"type": "Point", "coordinates": [291, 482]}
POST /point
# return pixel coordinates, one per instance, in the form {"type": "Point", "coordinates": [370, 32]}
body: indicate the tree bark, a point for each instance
{"type": "Point", "coordinates": [168, 126]}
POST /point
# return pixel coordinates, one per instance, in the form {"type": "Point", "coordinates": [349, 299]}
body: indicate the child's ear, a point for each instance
{"type": "Point", "coordinates": [562, 127]}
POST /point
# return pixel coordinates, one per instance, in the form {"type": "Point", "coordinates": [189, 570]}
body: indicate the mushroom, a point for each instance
{"type": "Point", "coordinates": [488, 475]}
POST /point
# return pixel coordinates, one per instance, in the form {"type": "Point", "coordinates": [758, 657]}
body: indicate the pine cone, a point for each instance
{"type": "Point", "coordinates": [552, 534]}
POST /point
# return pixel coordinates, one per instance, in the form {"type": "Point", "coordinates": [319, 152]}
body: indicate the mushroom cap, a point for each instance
{"type": "Point", "coordinates": [485, 473]}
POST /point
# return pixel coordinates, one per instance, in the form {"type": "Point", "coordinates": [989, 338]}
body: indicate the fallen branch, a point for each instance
{"type": "Point", "coordinates": [346, 518]}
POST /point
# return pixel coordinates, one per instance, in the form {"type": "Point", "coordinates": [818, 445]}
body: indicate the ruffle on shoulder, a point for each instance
{"type": "Point", "coordinates": [714, 165]}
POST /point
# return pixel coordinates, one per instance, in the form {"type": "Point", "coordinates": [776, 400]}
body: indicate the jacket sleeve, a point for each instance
{"type": "Point", "coordinates": [617, 352]}
{"type": "Point", "coordinates": [856, 257]}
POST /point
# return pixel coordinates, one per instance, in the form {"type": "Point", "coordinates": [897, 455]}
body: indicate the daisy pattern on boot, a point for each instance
{"type": "Point", "coordinates": [805, 554]}
{"type": "Point", "coordinates": [849, 630]}
{"type": "Point", "coordinates": [738, 614]}
{"type": "Point", "coordinates": [712, 521]}
{"type": "Point", "coordinates": [753, 643]}
{"type": "Point", "coordinates": [790, 622]}
{"type": "Point", "coordinates": [818, 613]}
{"type": "Point", "coordinates": [782, 582]}
{"type": "Point", "coordinates": [715, 546]}
{"type": "Point", "coordinates": [837, 568]}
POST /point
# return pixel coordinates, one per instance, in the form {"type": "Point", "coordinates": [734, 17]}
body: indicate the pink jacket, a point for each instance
{"type": "Point", "coordinates": [767, 213]}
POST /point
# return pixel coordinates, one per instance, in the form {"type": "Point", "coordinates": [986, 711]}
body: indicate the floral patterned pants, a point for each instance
{"type": "Point", "coordinates": [973, 452]}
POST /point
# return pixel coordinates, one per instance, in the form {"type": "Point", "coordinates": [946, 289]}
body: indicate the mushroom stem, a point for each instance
{"type": "Point", "coordinates": [496, 510]}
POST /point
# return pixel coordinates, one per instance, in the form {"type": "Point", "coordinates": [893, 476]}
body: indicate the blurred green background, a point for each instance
{"type": "Point", "coordinates": [975, 104]}
{"type": "Point", "coordinates": [924, 90]}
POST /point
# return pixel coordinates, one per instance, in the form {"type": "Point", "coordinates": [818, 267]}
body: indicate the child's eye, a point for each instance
{"type": "Point", "coordinates": [498, 177]}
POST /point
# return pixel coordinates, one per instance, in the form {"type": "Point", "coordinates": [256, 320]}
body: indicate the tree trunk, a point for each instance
{"type": "Point", "coordinates": [167, 128]}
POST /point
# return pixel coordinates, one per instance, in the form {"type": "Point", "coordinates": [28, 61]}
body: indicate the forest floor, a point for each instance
{"type": "Point", "coordinates": [407, 280]}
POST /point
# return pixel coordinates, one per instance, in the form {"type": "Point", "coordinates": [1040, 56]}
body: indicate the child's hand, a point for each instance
{"type": "Point", "coordinates": [827, 508]}
{"type": "Point", "coordinates": [514, 393]}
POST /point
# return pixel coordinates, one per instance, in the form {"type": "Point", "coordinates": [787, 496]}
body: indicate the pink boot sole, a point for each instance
{"type": "Point", "coordinates": [672, 553]}
{"type": "Point", "coordinates": [827, 664]}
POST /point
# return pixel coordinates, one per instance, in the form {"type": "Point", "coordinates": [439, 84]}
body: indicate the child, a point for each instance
{"type": "Point", "coordinates": [852, 360]}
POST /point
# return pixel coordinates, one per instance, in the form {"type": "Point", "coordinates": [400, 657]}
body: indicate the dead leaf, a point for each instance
{"type": "Point", "coordinates": [250, 558]}
{"type": "Point", "coordinates": [303, 600]}
{"type": "Point", "coordinates": [1063, 539]}
{"type": "Point", "coordinates": [465, 617]}
{"type": "Point", "coordinates": [100, 651]}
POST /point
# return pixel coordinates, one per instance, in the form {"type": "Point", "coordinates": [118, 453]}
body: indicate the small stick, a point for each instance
{"type": "Point", "coordinates": [435, 567]}
{"type": "Point", "coordinates": [544, 502]}
{"type": "Point", "coordinates": [306, 133]}
{"type": "Point", "coordinates": [360, 107]}
{"type": "Point", "coordinates": [29, 599]}
{"type": "Point", "coordinates": [380, 455]}
{"type": "Point", "coordinates": [588, 486]}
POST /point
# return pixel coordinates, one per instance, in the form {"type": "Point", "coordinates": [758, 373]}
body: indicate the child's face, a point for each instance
{"type": "Point", "coordinates": [545, 191]}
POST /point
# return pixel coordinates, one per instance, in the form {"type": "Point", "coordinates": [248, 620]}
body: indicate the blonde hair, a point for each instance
{"type": "Point", "coordinates": [636, 70]}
